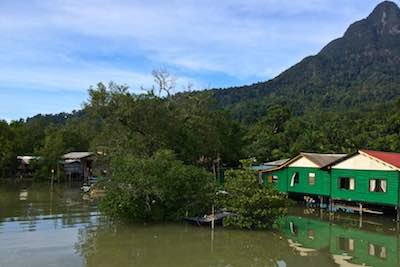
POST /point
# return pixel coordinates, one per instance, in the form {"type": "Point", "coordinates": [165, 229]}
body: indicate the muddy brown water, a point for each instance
{"type": "Point", "coordinates": [40, 227]}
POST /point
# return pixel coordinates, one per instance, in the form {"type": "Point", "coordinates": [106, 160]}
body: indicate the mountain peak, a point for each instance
{"type": "Point", "coordinates": [385, 18]}
{"type": "Point", "coordinates": [383, 22]}
{"type": "Point", "coordinates": [385, 6]}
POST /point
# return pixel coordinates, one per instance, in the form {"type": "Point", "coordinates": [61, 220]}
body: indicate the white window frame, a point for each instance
{"type": "Point", "coordinates": [372, 185]}
{"type": "Point", "coordinates": [312, 176]}
{"type": "Point", "coordinates": [352, 183]}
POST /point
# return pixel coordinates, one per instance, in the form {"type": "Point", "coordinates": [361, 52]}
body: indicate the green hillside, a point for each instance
{"type": "Point", "coordinates": [359, 69]}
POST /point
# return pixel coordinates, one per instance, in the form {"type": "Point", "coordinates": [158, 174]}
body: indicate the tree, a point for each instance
{"type": "Point", "coordinates": [165, 82]}
{"type": "Point", "coordinates": [156, 188]}
{"type": "Point", "coordinates": [255, 206]}
{"type": "Point", "coordinates": [8, 156]}
{"type": "Point", "coordinates": [266, 139]}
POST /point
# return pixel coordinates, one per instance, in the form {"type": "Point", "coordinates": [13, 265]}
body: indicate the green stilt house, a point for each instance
{"type": "Point", "coordinates": [367, 177]}
{"type": "Point", "coordinates": [362, 179]}
{"type": "Point", "coordinates": [305, 174]}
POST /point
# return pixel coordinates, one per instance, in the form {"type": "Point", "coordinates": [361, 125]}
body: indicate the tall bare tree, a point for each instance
{"type": "Point", "coordinates": [165, 82]}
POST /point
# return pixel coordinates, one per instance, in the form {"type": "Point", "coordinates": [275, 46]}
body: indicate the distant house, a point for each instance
{"type": "Point", "coordinates": [78, 165]}
{"type": "Point", "coordinates": [25, 168]}
{"type": "Point", "coordinates": [268, 166]}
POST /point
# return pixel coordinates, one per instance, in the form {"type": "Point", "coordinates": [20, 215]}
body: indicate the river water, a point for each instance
{"type": "Point", "coordinates": [40, 227]}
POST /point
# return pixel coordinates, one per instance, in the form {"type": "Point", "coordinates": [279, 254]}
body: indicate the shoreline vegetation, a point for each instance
{"type": "Point", "coordinates": [256, 206]}
{"type": "Point", "coordinates": [162, 188]}
{"type": "Point", "coordinates": [161, 152]}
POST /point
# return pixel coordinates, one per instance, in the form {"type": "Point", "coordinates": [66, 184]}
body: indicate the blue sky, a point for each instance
{"type": "Point", "coordinates": [51, 51]}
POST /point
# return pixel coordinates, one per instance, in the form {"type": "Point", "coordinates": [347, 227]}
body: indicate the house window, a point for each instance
{"type": "Point", "coordinates": [295, 179]}
{"type": "Point", "coordinates": [275, 179]}
{"type": "Point", "coordinates": [311, 178]}
{"type": "Point", "coordinates": [346, 244]}
{"type": "Point", "coordinates": [376, 250]}
{"type": "Point", "coordinates": [294, 229]}
{"type": "Point", "coordinates": [347, 183]}
{"type": "Point", "coordinates": [377, 185]}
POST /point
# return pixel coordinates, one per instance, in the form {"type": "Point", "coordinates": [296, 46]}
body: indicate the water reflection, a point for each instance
{"type": "Point", "coordinates": [179, 245]}
{"type": "Point", "coordinates": [41, 227]}
{"type": "Point", "coordinates": [374, 244]}
{"type": "Point", "coordinates": [36, 207]}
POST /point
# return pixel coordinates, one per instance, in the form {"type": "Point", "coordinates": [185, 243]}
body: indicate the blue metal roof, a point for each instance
{"type": "Point", "coordinates": [262, 167]}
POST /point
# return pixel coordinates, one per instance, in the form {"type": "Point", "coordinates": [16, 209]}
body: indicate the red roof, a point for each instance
{"type": "Point", "coordinates": [388, 157]}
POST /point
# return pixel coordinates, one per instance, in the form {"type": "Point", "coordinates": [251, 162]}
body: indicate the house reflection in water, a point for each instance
{"type": "Point", "coordinates": [349, 246]}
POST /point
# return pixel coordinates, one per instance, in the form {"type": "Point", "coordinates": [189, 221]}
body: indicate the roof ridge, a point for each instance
{"type": "Point", "coordinates": [323, 153]}
{"type": "Point", "coordinates": [391, 159]}
{"type": "Point", "coordinates": [387, 152]}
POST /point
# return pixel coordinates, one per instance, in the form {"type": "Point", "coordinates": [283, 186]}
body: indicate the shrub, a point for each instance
{"type": "Point", "coordinates": [256, 206]}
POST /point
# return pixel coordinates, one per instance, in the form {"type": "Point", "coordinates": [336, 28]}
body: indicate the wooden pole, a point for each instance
{"type": "Point", "coordinates": [58, 173]}
{"type": "Point", "coordinates": [212, 241]}
{"type": "Point", "coordinates": [213, 216]}
{"type": "Point", "coordinates": [398, 214]}
{"type": "Point", "coordinates": [52, 178]}
{"type": "Point", "coordinates": [218, 168]}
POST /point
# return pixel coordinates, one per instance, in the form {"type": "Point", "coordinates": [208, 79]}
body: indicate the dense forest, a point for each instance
{"type": "Point", "coordinates": [116, 122]}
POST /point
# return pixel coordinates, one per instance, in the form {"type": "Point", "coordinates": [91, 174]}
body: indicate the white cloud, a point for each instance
{"type": "Point", "coordinates": [234, 37]}
{"type": "Point", "coordinates": [69, 45]}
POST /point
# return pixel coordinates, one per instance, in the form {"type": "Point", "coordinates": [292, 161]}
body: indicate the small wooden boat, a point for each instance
{"type": "Point", "coordinates": [207, 219]}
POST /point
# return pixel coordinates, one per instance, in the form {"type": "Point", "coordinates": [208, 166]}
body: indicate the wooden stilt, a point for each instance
{"type": "Point", "coordinates": [331, 204]}
{"type": "Point", "coordinates": [361, 209]}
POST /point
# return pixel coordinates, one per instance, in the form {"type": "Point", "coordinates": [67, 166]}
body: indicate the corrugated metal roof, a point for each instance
{"type": "Point", "coordinates": [388, 157]}
{"type": "Point", "coordinates": [27, 159]}
{"type": "Point", "coordinates": [77, 155]}
{"type": "Point", "coordinates": [69, 161]}
{"type": "Point", "coordinates": [323, 160]}
{"type": "Point", "coordinates": [262, 167]}
{"type": "Point", "coordinates": [276, 162]}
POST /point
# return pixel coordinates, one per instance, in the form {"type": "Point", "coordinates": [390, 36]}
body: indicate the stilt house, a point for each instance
{"type": "Point", "coordinates": [78, 165]}
{"type": "Point", "coordinates": [367, 176]}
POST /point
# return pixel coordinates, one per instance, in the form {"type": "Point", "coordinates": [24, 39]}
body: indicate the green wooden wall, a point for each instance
{"type": "Point", "coordinates": [361, 192]}
{"type": "Point", "coordinates": [326, 184]}
{"type": "Point", "coordinates": [322, 181]}
{"type": "Point", "coordinates": [282, 179]}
